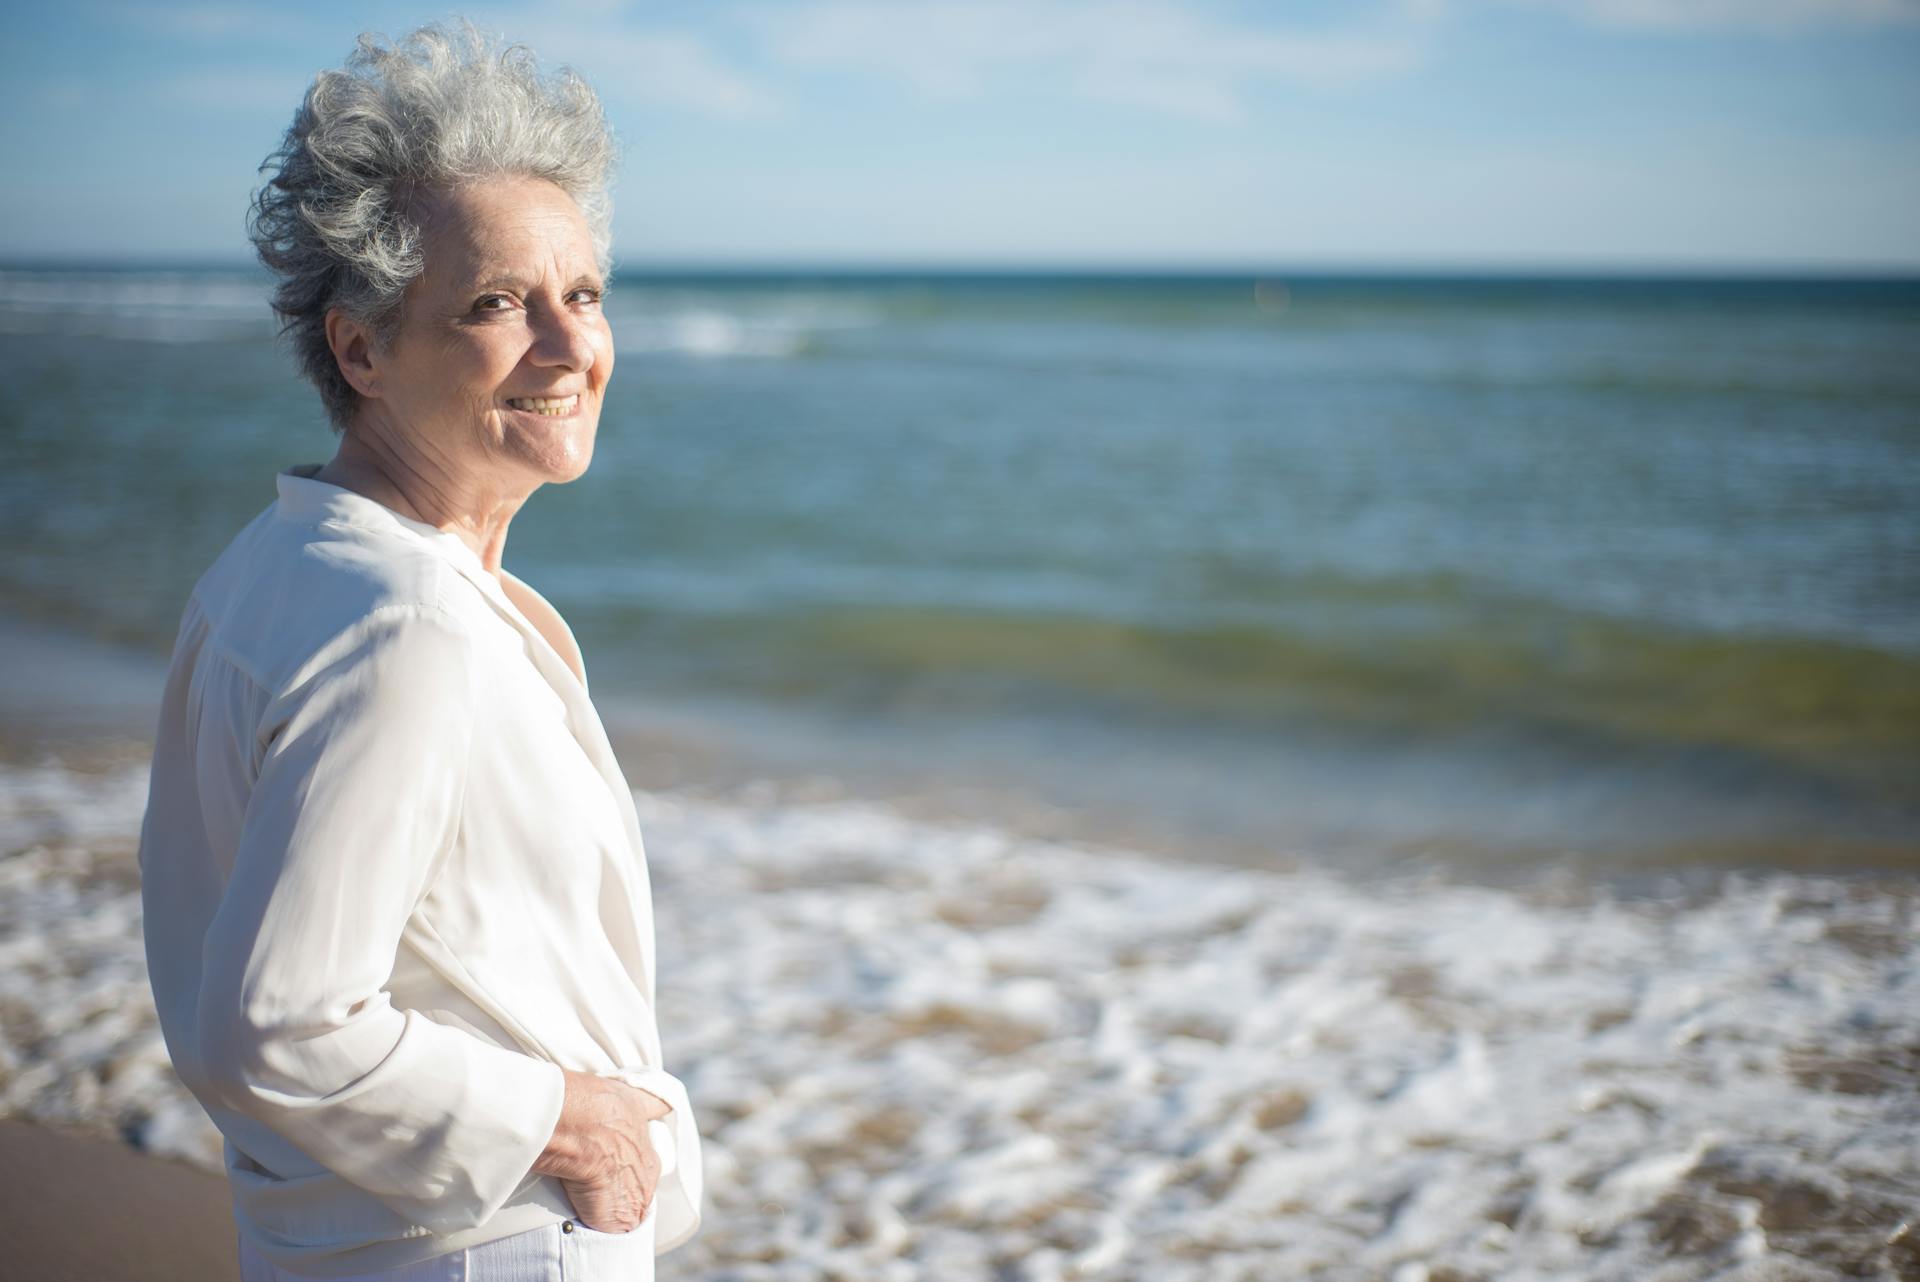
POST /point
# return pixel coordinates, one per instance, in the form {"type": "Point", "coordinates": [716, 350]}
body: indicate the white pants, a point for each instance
{"type": "Point", "coordinates": [566, 1252]}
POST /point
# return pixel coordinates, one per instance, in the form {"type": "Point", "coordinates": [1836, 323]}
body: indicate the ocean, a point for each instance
{"type": "Point", "coordinates": [1375, 570]}
{"type": "Point", "coordinates": [1192, 778]}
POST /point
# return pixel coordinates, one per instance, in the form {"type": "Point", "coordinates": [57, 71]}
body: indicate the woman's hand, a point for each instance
{"type": "Point", "coordinates": [600, 1153]}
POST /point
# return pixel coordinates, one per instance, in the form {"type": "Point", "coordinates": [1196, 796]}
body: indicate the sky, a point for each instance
{"type": "Point", "coordinates": [1558, 135]}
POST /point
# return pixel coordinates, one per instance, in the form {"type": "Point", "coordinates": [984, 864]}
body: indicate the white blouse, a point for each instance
{"type": "Point", "coordinates": [393, 883]}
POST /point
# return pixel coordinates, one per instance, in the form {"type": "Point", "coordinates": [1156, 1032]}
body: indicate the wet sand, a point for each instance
{"type": "Point", "coordinates": [85, 1209]}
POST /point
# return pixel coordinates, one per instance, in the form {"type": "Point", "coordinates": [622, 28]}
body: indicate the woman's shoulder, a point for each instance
{"type": "Point", "coordinates": [282, 593]}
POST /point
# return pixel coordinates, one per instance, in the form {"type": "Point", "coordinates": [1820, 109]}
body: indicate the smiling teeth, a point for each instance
{"type": "Point", "coordinates": [546, 405]}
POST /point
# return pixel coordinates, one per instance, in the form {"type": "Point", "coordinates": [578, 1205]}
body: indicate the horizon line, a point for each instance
{"type": "Point", "coordinates": [749, 266]}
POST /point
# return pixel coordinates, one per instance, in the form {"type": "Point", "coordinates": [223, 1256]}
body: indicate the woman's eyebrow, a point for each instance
{"type": "Point", "coordinates": [498, 280]}
{"type": "Point", "coordinates": [510, 280]}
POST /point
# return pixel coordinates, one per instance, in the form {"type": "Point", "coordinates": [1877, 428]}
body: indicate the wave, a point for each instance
{"type": "Point", "coordinates": [1418, 641]}
{"type": "Point", "coordinates": [709, 326]}
{"type": "Point", "coordinates": [1543, 710]}
{"type": "Point", "coordinates": [202, 306]}
{"type": "Point", "coordinates": [164, 307]}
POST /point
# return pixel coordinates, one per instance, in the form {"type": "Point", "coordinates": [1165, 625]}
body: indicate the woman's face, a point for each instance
{"type": "Point", "coordinates": [502, 354]}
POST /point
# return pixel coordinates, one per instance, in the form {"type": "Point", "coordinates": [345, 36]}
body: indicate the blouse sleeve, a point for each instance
{"type": "Point", "coordinates": [357, 799]}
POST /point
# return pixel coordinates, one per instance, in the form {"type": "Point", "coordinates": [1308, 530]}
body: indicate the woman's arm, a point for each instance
{"type": "Point", "coordinates": [361, 782]}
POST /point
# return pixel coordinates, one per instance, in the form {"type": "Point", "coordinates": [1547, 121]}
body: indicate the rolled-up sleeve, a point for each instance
{"type": "Point", "coordinates": [357, 800]}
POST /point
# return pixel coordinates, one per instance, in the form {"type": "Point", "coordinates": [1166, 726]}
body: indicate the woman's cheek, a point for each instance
{"type": "Point", "coordinates": [603, 345]}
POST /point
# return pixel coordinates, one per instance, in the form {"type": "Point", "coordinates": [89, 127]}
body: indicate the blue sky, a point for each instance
{"type": "Point", "coordinates": [1453, 134]}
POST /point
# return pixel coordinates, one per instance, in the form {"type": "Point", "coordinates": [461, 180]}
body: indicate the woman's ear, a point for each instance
{"type": "Point", "coordinates": [352, 346]}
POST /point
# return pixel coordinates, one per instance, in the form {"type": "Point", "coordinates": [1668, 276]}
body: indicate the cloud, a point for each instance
{"type": "Point", "coordinates": [644, 63]}
{"type": "Point", "coordinates": [1161, 56]}
{"type": "Point", "coordinates": [214, 22]}
{"type": "Point", "coordinates": [271, 94]}
{"type": "Point", "coordinates": [1682, 15]}
{"type": "Point", "coordinates": [666, 67]}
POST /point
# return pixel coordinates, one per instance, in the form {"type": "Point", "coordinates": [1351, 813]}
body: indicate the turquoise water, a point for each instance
{"type": "Point", "coordinates": [1460, 567]}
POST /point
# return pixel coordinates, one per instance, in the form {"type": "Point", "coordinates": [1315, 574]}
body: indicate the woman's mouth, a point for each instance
{"type": "Point", "coordinates": [547, 406]}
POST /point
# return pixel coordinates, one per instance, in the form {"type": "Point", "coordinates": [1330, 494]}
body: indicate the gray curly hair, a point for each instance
{"type": "Point", "coordinates": [443, 106]}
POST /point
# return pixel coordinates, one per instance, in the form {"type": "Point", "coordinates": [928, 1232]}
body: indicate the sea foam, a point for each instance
{"type": "Point", "coordinates": [927, 1050]}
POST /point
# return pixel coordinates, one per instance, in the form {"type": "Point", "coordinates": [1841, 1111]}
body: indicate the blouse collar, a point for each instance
{"type": "Point", "coordinates": [304, 499]}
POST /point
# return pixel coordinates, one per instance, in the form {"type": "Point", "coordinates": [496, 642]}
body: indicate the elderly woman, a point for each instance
{"type": "Point", "coordinates": [397, 908]}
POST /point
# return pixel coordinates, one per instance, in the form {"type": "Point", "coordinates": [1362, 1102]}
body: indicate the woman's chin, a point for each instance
{"type": "Point", "coordinates": [556, 452]}
{"type": "Point", "coordinates": [572, 466]}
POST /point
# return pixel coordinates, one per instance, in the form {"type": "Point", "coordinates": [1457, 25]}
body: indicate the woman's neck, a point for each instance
{"type": "Point", "coordinates": [372, 466]}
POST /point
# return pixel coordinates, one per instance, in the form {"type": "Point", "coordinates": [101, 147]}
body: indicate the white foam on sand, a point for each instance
{"type": "Point", "coordinates": [925, 1051]}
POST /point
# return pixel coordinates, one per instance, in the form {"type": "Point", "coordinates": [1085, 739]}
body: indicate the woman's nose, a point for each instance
{"type": "Point", "coordinates": [566, 340]}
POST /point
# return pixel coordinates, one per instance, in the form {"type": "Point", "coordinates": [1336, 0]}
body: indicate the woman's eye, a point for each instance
{"type": "Point", "coordinates": [587, 293]}
{"type": "Point", "coordinates": [488, 304]}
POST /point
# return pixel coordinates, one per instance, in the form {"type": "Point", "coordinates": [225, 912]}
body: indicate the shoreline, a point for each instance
{"type": "Point", "coordinates": [90, 704]}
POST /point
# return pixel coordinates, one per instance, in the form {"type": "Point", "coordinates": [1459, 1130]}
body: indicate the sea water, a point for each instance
{"type": "Point", "coordinates": [1465, 568]}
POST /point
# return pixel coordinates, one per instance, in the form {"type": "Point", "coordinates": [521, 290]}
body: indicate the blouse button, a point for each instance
{"type": "Point", "coordinates": [566, 1226]}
